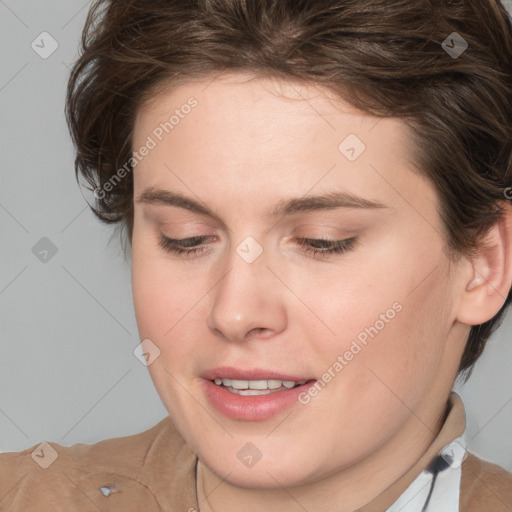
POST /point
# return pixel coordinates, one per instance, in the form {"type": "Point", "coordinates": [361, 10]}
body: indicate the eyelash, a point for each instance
{"type": "Point", "coordinates": [336, 246]}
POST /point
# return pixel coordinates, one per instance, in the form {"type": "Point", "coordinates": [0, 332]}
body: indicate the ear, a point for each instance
{"type": "Point", "coordinates": [490, 281]}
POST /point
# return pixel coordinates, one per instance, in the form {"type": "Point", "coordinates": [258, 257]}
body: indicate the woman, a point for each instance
{"type": "Point", "coordinates": [316, 197]}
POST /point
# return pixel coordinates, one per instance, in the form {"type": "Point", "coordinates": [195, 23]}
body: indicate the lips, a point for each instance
{"type": "Point", "coordinates": [256, 387]}
{"type": "Point", "coordinates": [252, 394]}
{"type": "Point", "coordinates": [228, 372]}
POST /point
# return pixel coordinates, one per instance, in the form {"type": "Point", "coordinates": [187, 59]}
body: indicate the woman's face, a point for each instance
{"type": "Point", "coordinates": [245, 170]}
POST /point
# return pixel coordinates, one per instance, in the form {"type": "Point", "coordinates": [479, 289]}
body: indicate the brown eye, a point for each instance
{"type": "Point", "coordinates": [324, 246]}
{"type": "Point", "coordinates": [185, 246]}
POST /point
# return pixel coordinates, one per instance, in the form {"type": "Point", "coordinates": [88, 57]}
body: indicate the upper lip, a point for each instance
{"type": "Point", "coordinates": [228, 372]}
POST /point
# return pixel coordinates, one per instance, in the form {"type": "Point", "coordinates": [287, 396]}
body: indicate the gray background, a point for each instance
{"type": "Point", "coordinates": [67, 329]}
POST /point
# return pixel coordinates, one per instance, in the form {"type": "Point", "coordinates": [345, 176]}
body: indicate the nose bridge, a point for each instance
{"type": "Point", "coordinates": [242, 299]}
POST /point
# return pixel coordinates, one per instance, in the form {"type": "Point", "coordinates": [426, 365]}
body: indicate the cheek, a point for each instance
{"type": "Point", "coordinates": [382, 361]}
{"type": "Point", "coordinates": [171, 306]}
{"type": "Point", "coordinates": [160, 295]}
{"type": "Point", "coordinates": [150, 295]}
{"type": "Point", "coordinates": [166, 310]}
{"type": "Point", "coordinates": [380, 328]}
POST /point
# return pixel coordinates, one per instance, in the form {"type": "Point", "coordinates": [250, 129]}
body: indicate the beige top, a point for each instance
{"type": "Point", "coordinates": [156, 471]}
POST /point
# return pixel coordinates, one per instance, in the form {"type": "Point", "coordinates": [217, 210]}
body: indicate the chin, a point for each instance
{"type": "Point", "coordinates": [261, 476]}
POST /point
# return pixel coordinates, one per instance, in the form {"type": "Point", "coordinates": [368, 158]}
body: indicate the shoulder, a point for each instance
{"type": "Point", "coordinates": [49, 476]}
{"type": "Point", "coordinates": [484, 486]}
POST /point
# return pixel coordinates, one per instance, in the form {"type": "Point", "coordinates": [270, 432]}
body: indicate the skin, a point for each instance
{"type": "Point", "coordinates": [248, 144]}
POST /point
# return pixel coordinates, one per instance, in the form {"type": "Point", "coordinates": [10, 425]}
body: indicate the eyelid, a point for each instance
{"type": "Point", "coordinates": [336, 247]}
{"type": "Point", "coordinates": [171, 245]}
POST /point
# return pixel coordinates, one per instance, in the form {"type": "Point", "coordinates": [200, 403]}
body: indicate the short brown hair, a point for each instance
{"type": "Point", "coordinates": [385, 57]}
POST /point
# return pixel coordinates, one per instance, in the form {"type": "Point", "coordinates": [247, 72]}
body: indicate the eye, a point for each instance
{"type": "Point", "coordinates": [184, 246]}
{"type": "Point", "coordinates": [317, 246]}
{"type": "Point", "coordinates": [324, 246]}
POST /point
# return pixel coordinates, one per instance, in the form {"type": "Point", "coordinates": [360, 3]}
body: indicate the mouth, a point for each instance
{"type": "Point", "coordinates": [256, 387]}
{"type": "Point", "coordinates": [252, 394]}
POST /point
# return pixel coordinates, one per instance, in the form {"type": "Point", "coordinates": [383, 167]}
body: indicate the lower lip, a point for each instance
{"type": "Point", "coordinates": [255, 407]}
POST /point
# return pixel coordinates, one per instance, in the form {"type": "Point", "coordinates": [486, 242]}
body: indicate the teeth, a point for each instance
{"type": "Point", "coordinates": [274, 384]}
{"type": "Point", "coordinates": [253, 392]}
{"type": "Point", "coordinates": [239, 384]}
{"type": "Point", "coordinates": [257, 385]}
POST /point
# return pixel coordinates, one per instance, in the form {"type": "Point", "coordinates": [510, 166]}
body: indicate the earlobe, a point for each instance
{"type": "Point", "coordinates": [491, 279]}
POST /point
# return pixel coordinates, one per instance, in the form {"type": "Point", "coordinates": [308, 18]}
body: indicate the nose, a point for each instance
{"type": "Point", "coordinates": [247, 302]}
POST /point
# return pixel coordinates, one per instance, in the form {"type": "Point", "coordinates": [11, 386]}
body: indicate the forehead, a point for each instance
{"type": "Point", "coordinates": [244, 133]}
{"type": "Point", "coordinates": [260, 105]}
{"type": "Point", "coordinates": [256, 103]}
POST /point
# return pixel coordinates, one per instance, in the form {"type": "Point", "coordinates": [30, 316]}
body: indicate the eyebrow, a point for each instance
{"type": "Point", "coordinates": [328, 201]}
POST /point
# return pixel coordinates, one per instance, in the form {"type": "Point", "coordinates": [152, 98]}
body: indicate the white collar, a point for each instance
{"type": "Point", "coordinates": [437, 488]}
